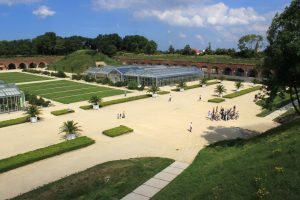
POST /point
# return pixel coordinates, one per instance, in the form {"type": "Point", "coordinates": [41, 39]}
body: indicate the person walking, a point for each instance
{"type": "Point", "coordinates": [125, 93]}
{"type": "Point", "coordinates": [200, 97]}
{"type": "Point", "coordinates": [190, 127]}
{"type": "Point", "coordinates": [170, 98]}
{"type": "Point", "coordinates": [123, 116]}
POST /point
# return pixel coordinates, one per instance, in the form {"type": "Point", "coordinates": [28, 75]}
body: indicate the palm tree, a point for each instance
{"type": "Point", "coordinates": [153, 89]}
{"type": "Point", "coordinates": [220, 89]}
{"type": "Point", "coordinates": [203, 81]}
{"type": "Point", "coordinates": [33, 111]}
{"type": "Point", "coordinates": [95, 100]}
{"type": "Point", "coordinates": [71, 130]}
{"type": "Point", "coordinates": [181, 84]}
{"type": "Point", "coordinates": [238, 85]}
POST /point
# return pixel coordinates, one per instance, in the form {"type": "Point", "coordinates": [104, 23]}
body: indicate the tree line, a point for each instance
{"type": "Point", "coordinates": [249, 46]}
{"type": "Point", "coordinates": [51, 44]}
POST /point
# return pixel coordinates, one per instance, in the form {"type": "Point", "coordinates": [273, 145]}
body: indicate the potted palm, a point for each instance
{"type": "Point", "coordinates": [220, 89]}
{"type": "Point", "coordinates": [153, 89]}
{"type": "Point", "coordinates": [95, 100]}
{"type": "Point", "coordinates": [70, 129]}
{"type": "Point", "coordinates": [203, 82]}
{"type": "Point", "coordinates": [238, 85]}
{"type": "Point", "coordinates": [181, 85]}
{"type": "Point", "coordinates": [33, 111]}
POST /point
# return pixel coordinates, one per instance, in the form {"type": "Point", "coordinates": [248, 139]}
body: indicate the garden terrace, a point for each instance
{"type": "Point", "coordinates": [64, 91]}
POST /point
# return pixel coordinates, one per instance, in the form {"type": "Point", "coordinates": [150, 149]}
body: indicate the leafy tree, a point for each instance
{"type": "Point", "coordinates": [208, 49]}
{"type": "Point", "coordinates": [171, 49]}
{"type": "Point", "coordinates": [220, 89]}
{"type": "Point", "coordinates": [187, 50]}
{"type": "Point", "coordinates": [250, 45]}
{"type": "Point", "coordinates": [181, 84]}
{"type": "Point", "coordinates": [132, 85]}
{"type": "Point", "coordinates": [69, 128]}
{"type": "Point", "coordinates": [203, 81]}
{"type": "Point", "coordinates": [150, 47]}
{"type": "Point", "coordinates": [282, 54]}
{"type": "Point", "coordinates": [45, 44]}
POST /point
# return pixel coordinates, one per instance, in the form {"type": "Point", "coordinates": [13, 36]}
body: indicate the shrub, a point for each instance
{"type": "Point", "coordinates": [117, 131]}
{"type": "Point", "coordinates": [216, 100]}
{"type": "Point", "coordinates": [37, 101]}
{"type": "Point", "coordinates": [62, 112]}
{"type": "Point", "coordinates": [77, 77]}
{"type": "Point", "coordinates": [60, 74]}
{"type": "Point", "coordinates": [242, 92]}
{"type": "Point", "coordinates": [16, 121]}
{"type": "Point", "coordinates": [132, 85]}
{"type": "Point", "coordinates": [43, 153]}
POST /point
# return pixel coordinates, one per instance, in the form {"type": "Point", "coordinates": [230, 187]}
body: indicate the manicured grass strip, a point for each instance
{"type": "Point", "coordinates": [62, 112]}
{"type": "Point", "coordinates": [163, 92]}
{"type": "Point", "coordinates": [264, 167]}
{"type": "Point", "coordinates": [107, 181]}
{"type": "Point", "coordinates": [43, 153]}
{"type": "Point", "coordinates": [216, 100]}
{"type": "Point", "coordinates": [117, 131]}
{"type": "Point", "coordinates": [18, 77]}
{"type": "Point", "coordinates": [242, 92]}
{"type": "Point", "coordinates": [16, 121]}
{"type": "Point", "coordinates": [117, 101]}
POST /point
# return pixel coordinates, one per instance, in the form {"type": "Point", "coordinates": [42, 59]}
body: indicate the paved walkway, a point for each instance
{"type": "Point", "coordinates": [158, 182]}
{"type": "Point", "coordinates": [280, 111]}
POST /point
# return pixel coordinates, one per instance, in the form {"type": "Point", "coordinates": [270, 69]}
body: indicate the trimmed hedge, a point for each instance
{"type": "Point", "coordinates": [14, 121]}
{"type": "Point", "coordinates": [62, 112]}
{"type": "Point", "coordinates": [242, 92]}
{"type": "Point", "coordinates": [216, 100]}
{"type": "Point", "coordinates": [196, 86]}
{"type": "Point", "coordinates": [43, 153]}
{"type": "Point", "coordinates": [163, 92]}
{"type": "Point", "coordinates": [117, 131]}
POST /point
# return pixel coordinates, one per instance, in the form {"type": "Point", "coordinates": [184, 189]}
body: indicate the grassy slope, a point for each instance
{"type": "Point", "coordinates": [204, 58]}
{"type": "Point", "coordinates": [266, 166]}
{"type": "Point", "coordinates": [111, 180]}
{"type": "Point", "coordinates": [81, 60]}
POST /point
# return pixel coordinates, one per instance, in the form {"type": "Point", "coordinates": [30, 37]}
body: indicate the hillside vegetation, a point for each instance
{"type": "Point", "coordinates": [264, 167]}
{"type": "Point", "coordinates": [81, 60]}
{"type": "Point", "coordinates": [193, 58]}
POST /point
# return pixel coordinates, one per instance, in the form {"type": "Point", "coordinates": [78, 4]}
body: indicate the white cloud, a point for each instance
{"type": "Point", "coordinates": [13, 2]}
{"type": "Point", "coordinates": [202, 16]}
{"type": "Point", "coordinates": [43, 12]}
{"type": "Point", "coordinates": [115, 4]}
{"type": "Point", "coordinates": [182, 35]}
{"type": "Point", "coordinates": [199, 37]}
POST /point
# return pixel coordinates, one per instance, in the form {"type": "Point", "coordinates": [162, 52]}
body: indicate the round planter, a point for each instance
{"type": "Point", "coordinates": [71, 136]}
{"type": "Point", "coordinates": [33, 119]}
{"type": "Point", "coordinates": [96, 107]}
{"type": "Point", "coordinates": [154, 95]}
{"type": "Point", "coordinates": [181, 89]}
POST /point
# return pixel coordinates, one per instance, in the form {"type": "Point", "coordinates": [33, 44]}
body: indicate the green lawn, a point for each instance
{"type": "Point", "coordinates": [264, 167]}
{"type": "Point", "coordinates": [107, 181]}
{"type": "Point", "coordinates": [68, 91]}
{"type": "Point", "coordinates": [18, 77]}
{"type": "Point", "coordinates": [43, 153]}
{"type": "Point", "coordinates": [196, 58]}
{"type": "Point", "coordinates": [12, 122]}
{"type": "Point", "coordinates": [117, 131]}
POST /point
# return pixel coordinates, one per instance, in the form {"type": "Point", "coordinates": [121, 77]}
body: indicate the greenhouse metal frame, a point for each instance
{"type": "Point", "coordinates": [11, 98]}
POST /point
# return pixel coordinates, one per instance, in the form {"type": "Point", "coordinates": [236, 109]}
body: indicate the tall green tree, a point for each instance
{"type": "Point", "coordinates": [171, 49]}
{"type": "Point", "coordinates": [283, 54]}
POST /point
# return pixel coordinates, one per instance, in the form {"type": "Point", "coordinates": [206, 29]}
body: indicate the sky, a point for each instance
{"type": "Point", "coordinates": [167, 22]}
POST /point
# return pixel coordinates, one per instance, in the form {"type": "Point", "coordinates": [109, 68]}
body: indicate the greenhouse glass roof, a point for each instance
{"type": "Point", "coordinates": [9, 90]}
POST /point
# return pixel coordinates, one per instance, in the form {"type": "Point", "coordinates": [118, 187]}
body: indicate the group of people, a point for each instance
{"type": "Point", "coordinates": [223, 114]}
{"type": "Point", "coordinates": [258, 96]}
{"type": "Point", "coordinates": [121, 115]}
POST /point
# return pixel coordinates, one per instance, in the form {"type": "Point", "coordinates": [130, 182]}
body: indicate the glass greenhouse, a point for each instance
{"type": "Point", "coordinates": [159, 75]}
{"type": "Point", "coordinates": [11, 98]}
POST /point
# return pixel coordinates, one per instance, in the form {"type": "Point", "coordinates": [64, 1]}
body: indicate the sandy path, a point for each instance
{"type": "Point", "coordinates": [160, 130]}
